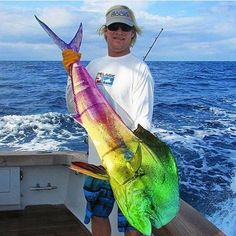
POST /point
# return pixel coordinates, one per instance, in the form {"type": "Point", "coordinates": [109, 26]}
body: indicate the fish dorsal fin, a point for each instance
{"type": "Point", "coordinates": [97, 172]}
{"type": "Point", "coordinates": [162, 152]}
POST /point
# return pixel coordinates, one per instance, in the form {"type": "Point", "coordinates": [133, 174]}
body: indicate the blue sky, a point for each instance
{"type": "Point", "coordinates": [193, 30]}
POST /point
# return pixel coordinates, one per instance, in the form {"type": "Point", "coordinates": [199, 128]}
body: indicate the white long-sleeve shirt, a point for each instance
{"type": "Point", "coordinates": [128, 86]}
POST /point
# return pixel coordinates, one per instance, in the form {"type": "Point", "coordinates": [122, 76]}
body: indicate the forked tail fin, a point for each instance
{"type": "Point", "coordinates": [75, 42]}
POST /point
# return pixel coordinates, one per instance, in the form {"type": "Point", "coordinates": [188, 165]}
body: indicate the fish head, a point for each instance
{"type": "Point", "coordinates": [123, 162]}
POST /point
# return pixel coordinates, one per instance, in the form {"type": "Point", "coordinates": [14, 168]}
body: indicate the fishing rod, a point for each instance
{"type": "Point", "coordinates": [153, 44]}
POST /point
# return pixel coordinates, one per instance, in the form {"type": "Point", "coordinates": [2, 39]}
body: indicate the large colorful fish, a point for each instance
{"type": "Point", "coordinates": [141, 169]}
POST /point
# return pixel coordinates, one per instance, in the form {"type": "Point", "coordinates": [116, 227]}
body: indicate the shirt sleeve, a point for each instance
{"type": "Point", "coordinates": [70, 97]}
{"type": "Point", "coordinates": [143, 98]}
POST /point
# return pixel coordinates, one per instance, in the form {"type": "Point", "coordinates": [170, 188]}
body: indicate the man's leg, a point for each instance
{"type": "Point", "coordinates": [124, 226]}
{"type": "Point", "coordinates": [100, 226]}
{"type": "Point", "coordinates": [100, 201]}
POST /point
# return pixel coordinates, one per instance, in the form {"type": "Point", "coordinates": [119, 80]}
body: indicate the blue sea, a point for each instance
{"type": "Point", "coordinates": [194, 112]}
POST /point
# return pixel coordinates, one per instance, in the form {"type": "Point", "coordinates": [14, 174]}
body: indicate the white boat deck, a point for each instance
{"type": "Point", "coordinates": [43, 178]}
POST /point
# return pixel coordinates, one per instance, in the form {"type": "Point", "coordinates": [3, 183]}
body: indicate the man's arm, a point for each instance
{"type": "Point", "coordinates": [143, 99]}
{"type": "Point", "coordinates": [70, 97]}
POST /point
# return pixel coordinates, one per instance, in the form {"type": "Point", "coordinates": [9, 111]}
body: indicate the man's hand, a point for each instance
{"type": "Point", "coordinates": [69, 57]}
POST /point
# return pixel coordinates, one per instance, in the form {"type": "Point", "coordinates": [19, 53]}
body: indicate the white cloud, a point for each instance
{"type": "Point", "coordinates": [15, 22]}
{"type": "Point", "coordinates": [207, 32]}
{"type": "Point", "coordinates": [28, 51]}
{"type": "Point", "coordinates": [23, 45]}
{"type": "Point", "coordinates": [102, 6]}
{"type": "Point", "coordinates": [58, 17]}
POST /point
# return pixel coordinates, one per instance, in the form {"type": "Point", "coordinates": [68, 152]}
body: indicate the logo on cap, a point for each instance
{"type": "Point", "coordinates": [120, 13]}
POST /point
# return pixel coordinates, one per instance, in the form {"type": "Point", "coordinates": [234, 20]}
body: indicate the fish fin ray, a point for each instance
{"type": "Point", "coordinates": [59, 42]}
{"type": "Point", "coordinates": [97, 172]}
{"type": "Point", "coordinates": [76, 41]}
{"type": "Point", "coordinates": [136, 160]}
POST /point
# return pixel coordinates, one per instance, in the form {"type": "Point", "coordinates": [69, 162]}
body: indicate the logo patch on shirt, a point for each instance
{"type": "Point", "coordinates": [106, 79]}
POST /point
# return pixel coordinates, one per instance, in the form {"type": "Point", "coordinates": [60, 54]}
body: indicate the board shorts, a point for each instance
{"type": "Point", "coordinates": [100, 202]}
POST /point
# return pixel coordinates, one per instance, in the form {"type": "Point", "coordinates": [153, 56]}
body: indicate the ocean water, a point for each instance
{"type": "Point", "coordinates": [194, 112]}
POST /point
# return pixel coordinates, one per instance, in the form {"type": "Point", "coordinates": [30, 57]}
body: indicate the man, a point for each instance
{"type": "Point", "coordinates": [127, 84]}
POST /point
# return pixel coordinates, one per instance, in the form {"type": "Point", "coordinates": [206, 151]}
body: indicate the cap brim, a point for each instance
{"type": "Point", "coordinates": [119, 20]}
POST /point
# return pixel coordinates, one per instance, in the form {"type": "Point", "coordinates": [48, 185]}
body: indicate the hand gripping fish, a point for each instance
{"type": "Point", "coordinates": [140, 168]}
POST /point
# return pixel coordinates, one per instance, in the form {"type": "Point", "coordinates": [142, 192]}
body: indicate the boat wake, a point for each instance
{"type": "Point", "coordinates": [42, 132]}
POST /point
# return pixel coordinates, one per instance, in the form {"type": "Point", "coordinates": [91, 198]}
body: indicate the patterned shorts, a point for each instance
{"type": "Point", "coordinates": [100, 202]}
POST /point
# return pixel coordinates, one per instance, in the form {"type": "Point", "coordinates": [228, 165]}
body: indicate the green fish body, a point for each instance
{"type": "Point", "coordinates": [151, 197]}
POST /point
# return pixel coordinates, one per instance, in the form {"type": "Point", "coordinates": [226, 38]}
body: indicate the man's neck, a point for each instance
{"type": "Point", "coordinates": [118, 53]}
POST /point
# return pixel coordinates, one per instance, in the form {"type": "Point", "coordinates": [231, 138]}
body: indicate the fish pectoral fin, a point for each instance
{"type": "Point", "coordinates": [97, 172]}
{"type": "Point", "coordinates": [136, 160]}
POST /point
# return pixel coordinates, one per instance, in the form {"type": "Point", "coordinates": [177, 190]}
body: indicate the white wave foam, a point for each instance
{"type": "Point", "coordinates": [225, 217]}
{"type": "Point", "coordinates": [195, 140]}
{"type": "Point", "coordinates": [41, 132]}
{"type": "Point", "coordinates": [218, 111]}
{"type": "Point", "coordinates": [167, 135]}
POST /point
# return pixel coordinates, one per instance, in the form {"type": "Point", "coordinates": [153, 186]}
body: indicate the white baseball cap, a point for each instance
{"type": "Point", "coordinates": [119, 14]}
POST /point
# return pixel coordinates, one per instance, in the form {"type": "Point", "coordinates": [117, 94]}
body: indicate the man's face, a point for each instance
{"type": "Point", "coordinates": [118, 37]}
